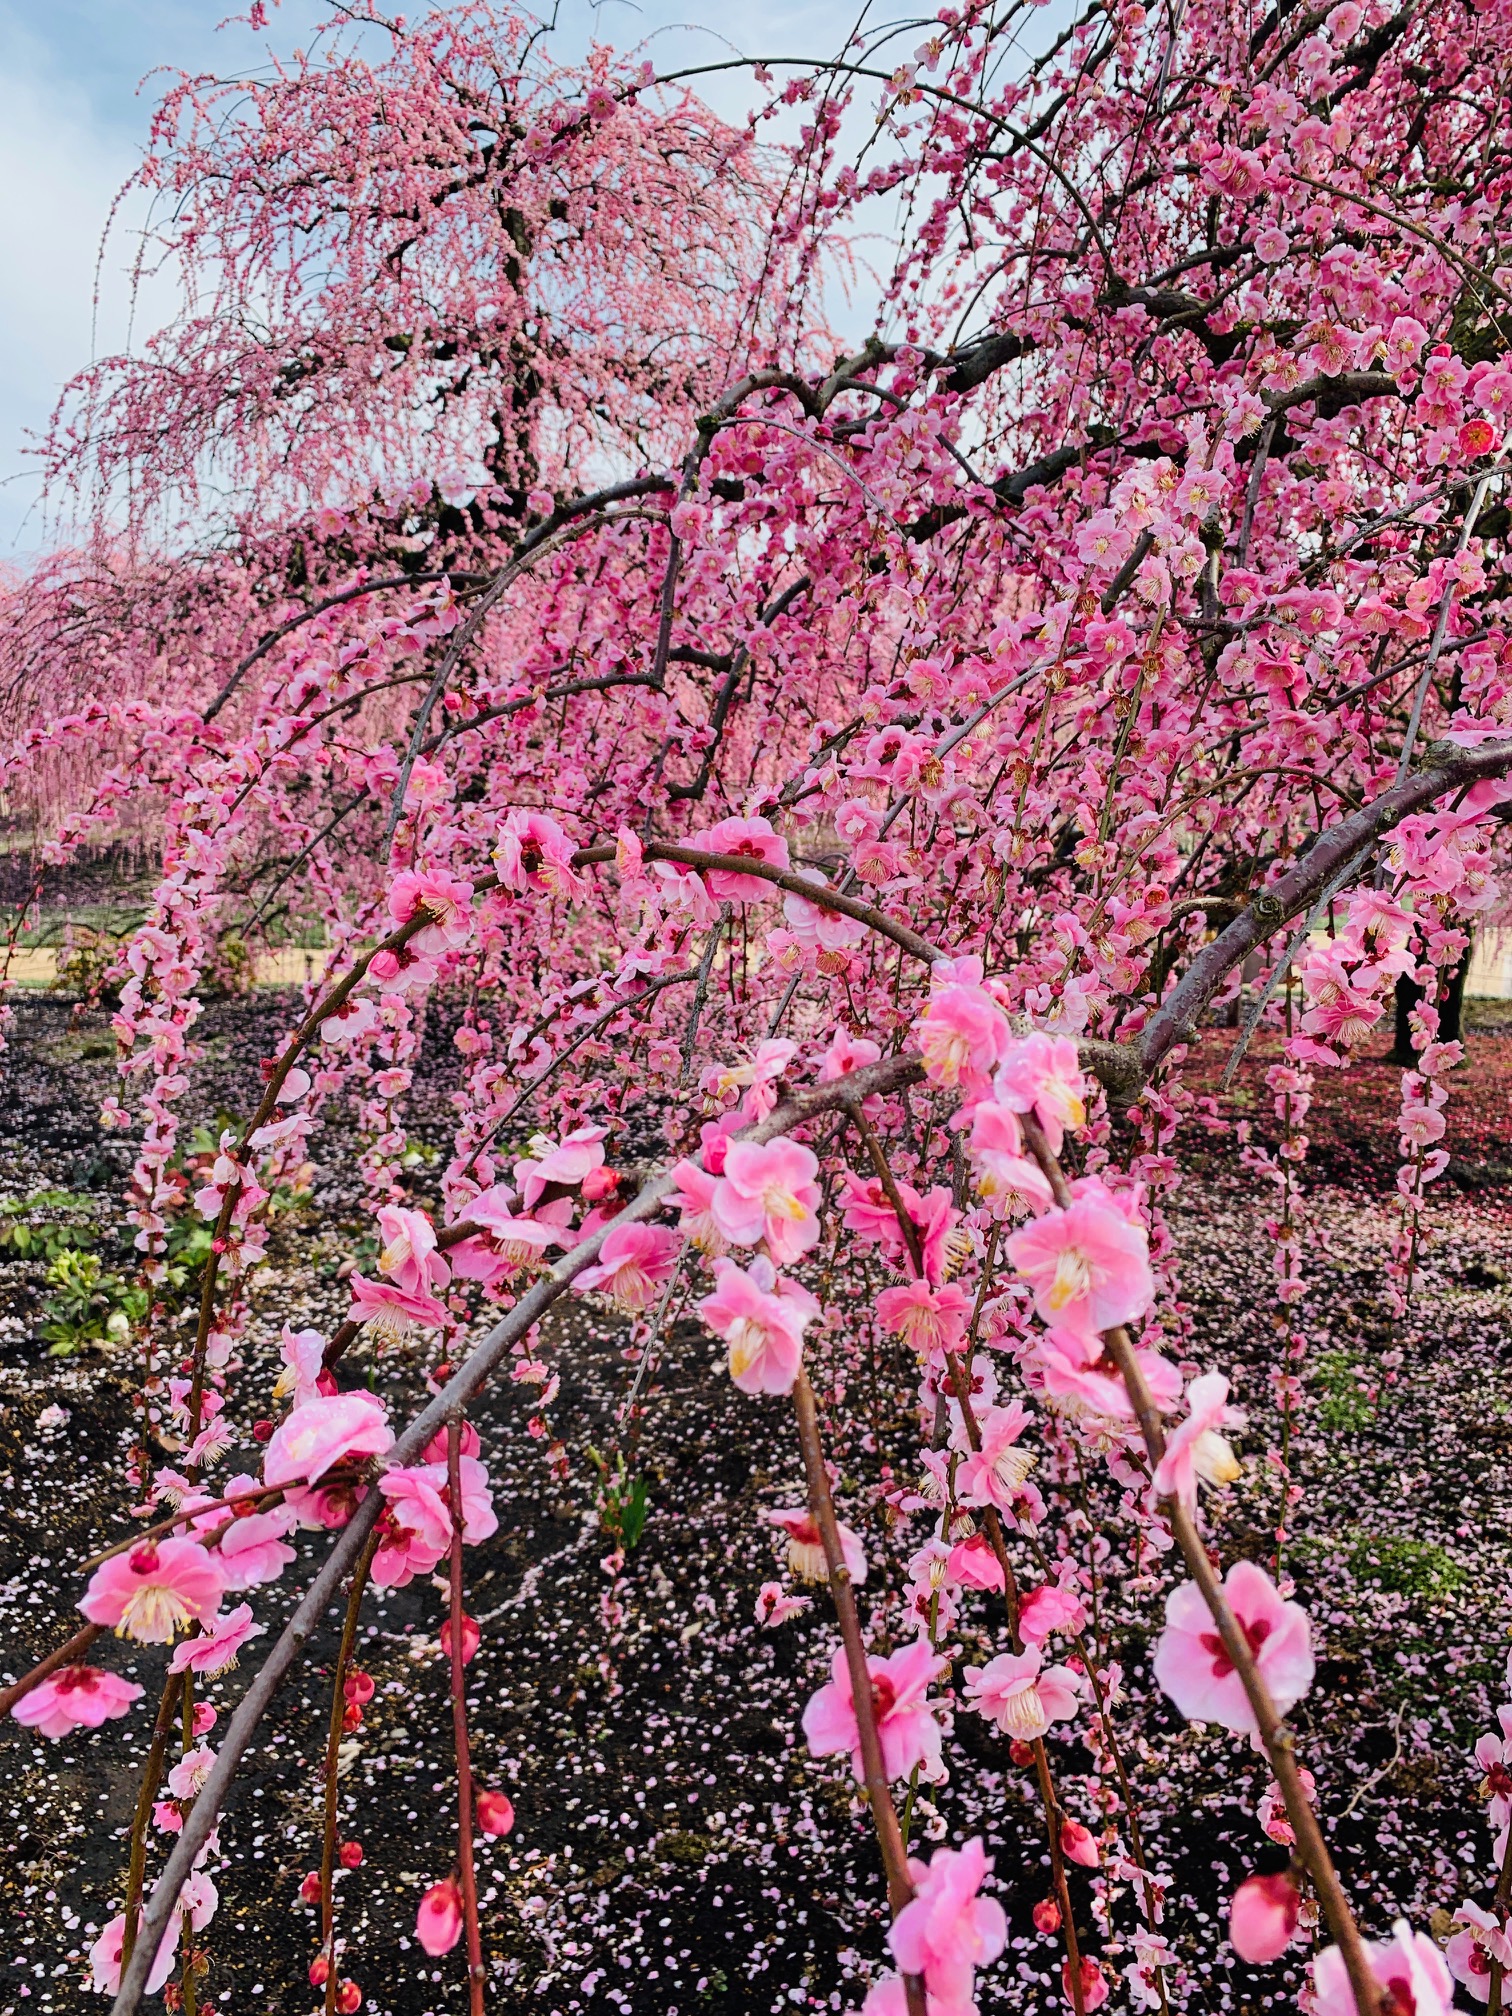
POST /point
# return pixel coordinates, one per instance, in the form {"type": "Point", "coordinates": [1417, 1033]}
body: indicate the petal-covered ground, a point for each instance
{"type": "Point", "coordinates": [675, 1849]}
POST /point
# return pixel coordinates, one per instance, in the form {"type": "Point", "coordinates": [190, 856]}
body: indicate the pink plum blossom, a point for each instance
{"type": "Point", "coordinates": [532, 852]}
{"type": "Point", "coordinates": [1051, 1607]}
{"type": "Point", "coordinates": [928, 1319]}
{"type": "Point", "coordinates": [906, 1727]}
{"type": "Point", "coordinates": [414, 1531]}
{"type": "Point", "coordinates": [75, 1697]}
{"type": "Point", "coordinates": [1469, 1950]}
{"type": "Point", "coordinates": [762, 1318]}
{"type": "Point", "coordinates": [214, 1652]}
{"type": "Point", "coordinates": [106, 1956]}
{"type": "Point", "coordinates": [1263, 1916]}
{"type": "Point", "coordinates": [1022, 1695]}
{"type": "Point", "coordinates": [252, 1549]}
{"type": "Point", "coordinates": [947, 1930]}
{"type": "Point", "coordinates": [409, 1260]}
{"type": "Point", "coordinates": [566, 1164]}
{"type": "Point", "coordinates": [994, 1474]}
{"type": "Point", "coordinates": [1088, 1266]}
{"type": "Point", "coordinates": [974, 1564]}
{"type": "Point", "coordinates": [806, 1549]}
{"type": "Point", "coordinates": [774, 1605]}
{"type": "Point", "coordinates": [963, 1034]}
{"type": "Point", "coordinates": [1196, 1449]}
{"type": "Point", "coordinates": [768, 1192]}
{"type": "Point", "coordinates": [153, 1591]}
{"type": "Point", "coordinates": [752, 838]}
{"type": "Point", "coordinates": [694, 1198]}
{"type": "Point", "coordinates": [1010, 1182]}
{"type": "Point", "coordinates": [302, 1352]}
{"type": "Point", "coordinates": [1408, 1966]}
{"type": "Point", "coordinates": [447, 901]}
{"type": "Point", "coordinates": [479, 1520]}
{"type": "Point", "coordinates": [1041, 1074]}
{"type": "Point", "coordinates": [1193, 1668]}
{"type": "Point", "coordinates": [327, 1431]}
{"type": "Point", "coordinates": [390, 1312]}
{"type": "Point", "coordinates": [634, 1263]}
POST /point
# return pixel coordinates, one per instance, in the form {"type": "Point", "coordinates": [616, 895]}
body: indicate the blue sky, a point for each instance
{"type": "Point", "coordinates": [76, 94]}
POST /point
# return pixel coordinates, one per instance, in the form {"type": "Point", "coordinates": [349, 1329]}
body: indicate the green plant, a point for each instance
{"type": "Point", "coordinates": [86, 1304]}
{"type": "Point", "coordinates": [1346, 1403]}
{"type": "Point", "coordinates": [1405, 1566]}
{"type": "Point", "coordinates": [623, 1500]}
{"type": "Point", "coordinates": [24, 1232]}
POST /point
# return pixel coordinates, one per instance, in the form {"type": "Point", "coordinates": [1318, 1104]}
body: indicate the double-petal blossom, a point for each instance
{"type": "Point", "coordinates": [1021, 1694]}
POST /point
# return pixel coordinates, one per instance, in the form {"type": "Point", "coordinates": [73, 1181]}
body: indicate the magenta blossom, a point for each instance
{"type": "Point", "coordinates": [215, 1651]}
{"type": "Point", "coordinates": [326, 1432]}
{"type": "Point", "coordinates": [769, 1192]}
{"type": "Point", "coordinates": [1042, 1075]}
{"type": "Point", "coordinates": [447, 902]}
{"type": "Point", "coordinates": [1192, 1666]}
{"type": "Point", "coordinates": [1021, 1694]}
{"type": "Point", "coordinates": [1469, 1951]}
{"type": "Point", "coordinates": [438, 1923]}
{"type": "Point", "coordinates": [634, 1262]}
{"type": "Point", "coordinates": [578, 1154]}
{"type": "Point", "coordinates": [1081, 1378]}
{"type": "Point", "coordinates": [1408, 1966]}
{"type": "Point", "coordinates": [1088, 1266]}
{"type": "Point", "coordinates": [75, 1697]}
{"type": "Point", "coordinates": [774, 1605]}
{"type": "Point", "coordinates": [948, 1930]}
{"type": "Point", "coordinates": [906, 1727]}
{"type": "Point", "coordinates": [1196, 1449]}
{"type": "Point", "coordinates": [251, 1548]}
{"type": "Point", "coordinates": [1052, 1607]}
{"type": "Point", "coordinates": [762, 1318]}
{"type": "Point", "coordinates": [973, 1563]}
{"type": "Point", "coordinates": [414, 1531]}
{"type": "Point", "coordinates": [694, 1198]}
{"type": "Point", "coordinates": [752, 838]}
{"type": "Point", "coordinates": [151, 1592]}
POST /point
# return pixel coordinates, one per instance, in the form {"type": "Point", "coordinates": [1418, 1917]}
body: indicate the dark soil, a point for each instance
{"type": "Point", "coordinates": [676, 1850]}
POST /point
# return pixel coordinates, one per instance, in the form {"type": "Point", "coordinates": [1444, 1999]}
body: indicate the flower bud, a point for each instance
{"type": "Point", "coordinates": [320, 1971]}
{"type": "Point", "coordinates": [438, 1923]}
{"type": "Point", "coordinates": [1046, 1915]}
{"type": "Point", "coordinates": [351, 1854]}
{"type": "Point", "coordinates": [472, 1637]}
{"type": "Point", "coordinates": [309, 1890]}
{"type": "Point", "coordinates": [495, 1812]}
{"type": "Point", "coordinates": [1263, 1917]}
{"type": "Point", "coordinates": [1077, 1844]}
{"type": "Point", "coordinates": [349, 1998]}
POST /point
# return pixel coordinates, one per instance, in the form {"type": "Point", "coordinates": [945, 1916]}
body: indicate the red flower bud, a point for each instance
{"type": "Point", "coordinates": [1021, 1752]}
{"type": "Point", "coordinates": [351, 1854]}
{"type": "Point", "coordinates": [358, 1686]}
{"type": "Point", "coordinates": [1046, 1915]}
{"type": "Point", "coordinates": [349, 1998]}
{"type": "Point", "coordinates": [1263, 1917]}
{"type": "Point", "coordinates": [262, 1431]}
{"type": "Point", "coordinates": [320, 1971]}
{"type": "Point", "coordinates": [309, 1890]}
{"type": "Point", "coordinates": [495, 1812]}
{"type": "Point", "coordinates": [472, 1637]}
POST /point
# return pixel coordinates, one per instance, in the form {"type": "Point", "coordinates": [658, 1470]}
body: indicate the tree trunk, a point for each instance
{"type": "Point", "coordinates": [1451, 1011]}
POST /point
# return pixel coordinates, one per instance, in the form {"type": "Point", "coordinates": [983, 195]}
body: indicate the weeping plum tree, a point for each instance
{"type": "Point", "coordinates": [874, 759]}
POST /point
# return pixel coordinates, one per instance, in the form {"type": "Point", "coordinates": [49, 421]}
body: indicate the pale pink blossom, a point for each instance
{"type": "Point", "coordinates": [1081, 1378]}
{"type": "Point", "coordinates": [438, 1923]}
{"type": "Point", "coordinates": [214, 1652]}
{"type": "Point", "coordinates": [1094, 1983]}
{"type": "Point", "coordinates": [1022, 1695]}
{"type": "Point", "coordinates": [994, 1474]}
{"type": "Point", "coordinates": [390, 1312]}
{"type": "Point", "coordinates": [187, 1778]}
{"type": "Point", "coordinates": [806, 1549]}
{"type": "Point", "coordinates": [1041, 1074]}
{"type": "Point", "coordinates": [106, 1956]}
{"type": "Point", "coordinates": [963, 1034]}
{"type": "Point", "coordinates": [252, 1550]}
{"type": "Point", "coordinates": [1011, 1184]}
{"type": "Point", "coordinates": [414, 1531]}
{"type": "Point", "coordinates": [151, 1592]}
{"type": "Point", "coordinates": [565, 1165]}
{"type": "Point", "coordinates": [1196, 1449]}
{"type": "Point", "coordinates": [694, 1198]}
{"type": "Point", "coordinates": [1088, 1266]}
{"type": "Point", "coordinates": [75, 1697]}
{"type": "Point", "coordinates": [762, 1318]}
{"type": "Point", "coordinates": [774, 1605]}
{"type": "Point", "coordinates": [755, 840]}
{"type": "Point", "coordinates": [906, 1727]}
{"type": "Point", "coordinates": [1192, 1667]}
{"type": "Point", "coordinates": [506, 1242]}
{"type": "Point", "coordinates": [846, 1053]}
{"type": "Point", "coordinates": [303, 1361]}
{"type": "Point", "coordinates": [768, 1192]}
{"type": "Point", "coordinates": [1469, 1951]}
{"type": "Point", "coordinates": [948, 1929]}
{"type": "Point", "coordinates": [1408, 1966]}
{"type": "Point", "coordinates": [327, 1431]}
{"type": "Point", "coordinates": [356, 1017]}
{"type": "Point", "coordinates": [409, 1260]}
{"type": "Point", "coordinates": [479, 1520]}
{"type": "Point", "coordinates": [1263, 1917]}
{"type": "Point", "coordinates": [634, 1263]}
